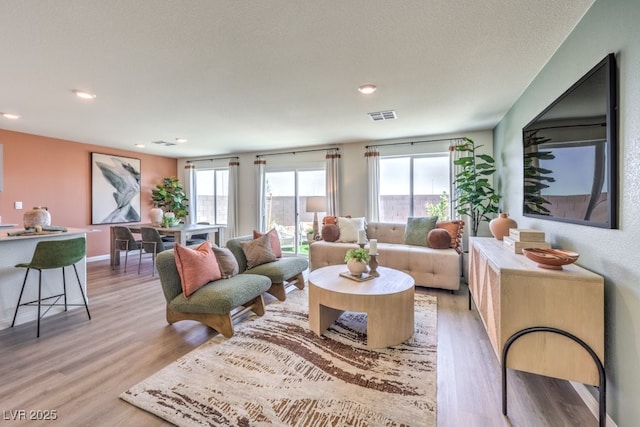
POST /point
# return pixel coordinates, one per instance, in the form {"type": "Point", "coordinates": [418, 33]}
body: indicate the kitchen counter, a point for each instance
{"type": "Point", "coordinates": [19, 249]}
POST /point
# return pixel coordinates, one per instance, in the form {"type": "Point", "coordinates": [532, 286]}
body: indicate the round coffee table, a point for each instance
{"type": "Point", "coordinates": [387, 300]}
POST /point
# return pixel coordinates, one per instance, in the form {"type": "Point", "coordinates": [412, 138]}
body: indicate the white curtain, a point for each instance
{"type": "Point", "coordinates": [260, 166]}
{"type": "Point", "coordinates": [232, 209]}
{"type": "Point", "coordinates": [372, 210]}
{"type": "Point", "coordinates": [333, 184]}
{"type": "Point", "coordinates": [454, 170]}
{"type": "Point", "coordinates": [189, 189]}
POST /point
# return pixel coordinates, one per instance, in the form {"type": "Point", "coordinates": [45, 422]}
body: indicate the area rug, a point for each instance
{"type": "Point", "coordinates": [276, 372]}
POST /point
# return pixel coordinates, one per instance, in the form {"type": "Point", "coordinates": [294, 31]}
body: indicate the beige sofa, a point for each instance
{"type": "Point", "coordinates": [432, 268]}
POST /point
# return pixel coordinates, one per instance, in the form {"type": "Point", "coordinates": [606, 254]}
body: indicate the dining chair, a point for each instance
{"type": "Point", "coordinates": [152, 243]}
{"type": "Point", "coordinates": [49, 255]}
{"type": "Point", "coordinates": [125, 241]}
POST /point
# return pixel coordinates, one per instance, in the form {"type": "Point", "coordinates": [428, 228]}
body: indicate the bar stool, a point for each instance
{"type": "Point", "coordinates": [49, 255]}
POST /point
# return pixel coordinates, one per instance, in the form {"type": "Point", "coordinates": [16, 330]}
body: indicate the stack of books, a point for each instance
{"type": "Point", "coordinates": [519, 238]}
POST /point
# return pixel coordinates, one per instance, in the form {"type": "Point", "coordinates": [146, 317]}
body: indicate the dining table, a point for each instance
{"type": "Point", "coordinates": [180, 233]}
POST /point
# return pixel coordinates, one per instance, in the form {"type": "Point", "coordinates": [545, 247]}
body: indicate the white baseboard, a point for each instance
{"type": "Point", "coordinates": [590, 401]}
{"type": "Point", "coordinates": [97, 258]}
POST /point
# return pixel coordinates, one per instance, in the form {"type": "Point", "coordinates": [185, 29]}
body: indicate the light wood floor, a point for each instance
{"type": "Point", "coordinates": [78, 367]}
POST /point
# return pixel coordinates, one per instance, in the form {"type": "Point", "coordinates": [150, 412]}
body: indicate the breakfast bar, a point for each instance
{"type": "Point", "coordinates": [16, 249]}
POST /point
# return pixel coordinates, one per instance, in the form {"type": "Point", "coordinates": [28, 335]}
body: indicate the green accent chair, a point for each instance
{"type": "Point", "coordinates": [284, 272]}
{"type": "Point", "coordinates": [217, 304]}
{"type": "Point", "coordinates": [49, 255]}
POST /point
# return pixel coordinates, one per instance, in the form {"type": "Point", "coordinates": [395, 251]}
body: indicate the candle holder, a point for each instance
{"type": "Point", "coordinates": [373, 265]}
{"type": "Point", "coordinates": [361, 245]}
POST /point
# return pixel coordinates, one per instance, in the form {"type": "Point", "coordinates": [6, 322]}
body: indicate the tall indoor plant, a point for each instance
{"type": "Point", "coordinates": [171, 198]}
{"type": "Point", "coordinates": [474, 194]}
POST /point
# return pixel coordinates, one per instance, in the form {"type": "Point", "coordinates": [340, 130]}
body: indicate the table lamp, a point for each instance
{"type": "Point", "coordinates": [316, 204]}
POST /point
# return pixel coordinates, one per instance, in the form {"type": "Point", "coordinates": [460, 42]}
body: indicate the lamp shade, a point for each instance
{"type": "Point", "coordinates": [316, 204]}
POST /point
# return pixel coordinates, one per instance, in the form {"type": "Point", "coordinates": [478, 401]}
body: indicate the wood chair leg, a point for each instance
{"type": "Point", "coordinates": [220, 322]}
{"type": "Point", "coordinates": [299, 281]}
{"type": "Point", "coordinates": [278, 291]}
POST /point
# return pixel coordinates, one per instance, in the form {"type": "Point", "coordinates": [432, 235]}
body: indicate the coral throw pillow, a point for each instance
{"type": "Point", "coordinates": [228, 263]}
{"type": "Point", "coordinates": [196, 267]}
{"type": "Point", "coordinates": [258, 251]}
{"type": "Point", "coordinates": [439, 238]}
{"type": "Point", "coordinates": [276, 247]}
{"type": "Point", "coordinates": [330, 233]}
{"type": "Point", "coordinates": [454, 228]}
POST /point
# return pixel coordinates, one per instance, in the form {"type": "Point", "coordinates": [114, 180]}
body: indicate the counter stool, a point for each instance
{"type": "Point", "coordinates": [48, 255]}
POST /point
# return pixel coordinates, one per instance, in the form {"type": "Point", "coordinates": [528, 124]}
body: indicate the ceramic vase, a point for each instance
{"type": "Point", "coordinates": [500, 226]}
{"type": "Point", "coordinates": [155, 215]}
{"type": "Point", "coordinates": [38, 216]}
{"type": "Point", "coordinates": [356, 268]}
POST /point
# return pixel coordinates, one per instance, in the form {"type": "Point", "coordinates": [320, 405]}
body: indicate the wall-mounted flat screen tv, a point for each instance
{"type": "Point", "coordinates": [570, 153]}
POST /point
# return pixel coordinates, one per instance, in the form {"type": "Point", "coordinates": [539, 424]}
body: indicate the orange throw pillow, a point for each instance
{"type": "Point", "coordinates": [275, 241]}
{"type": "Point", "coordinates": [455, 232]}
{"type": "Point", "coordinates": [196, 267]}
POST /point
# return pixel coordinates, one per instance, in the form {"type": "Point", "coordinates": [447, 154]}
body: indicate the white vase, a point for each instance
{"type": "Point", "coordinates": [356, 268]}
{"type": "Point", "coordinates": [155, 215]}
{"type": "Point", "coordinates": [38, 216]}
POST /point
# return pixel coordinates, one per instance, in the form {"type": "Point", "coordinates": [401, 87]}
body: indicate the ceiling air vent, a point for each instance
{"type": "Point", "coordinates": [383, 115]}
{"type": "Point", "coordinates": [165, 143]}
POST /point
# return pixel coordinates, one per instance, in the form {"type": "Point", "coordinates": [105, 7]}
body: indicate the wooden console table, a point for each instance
{"type": "Point", "coordinates": [512, 295]}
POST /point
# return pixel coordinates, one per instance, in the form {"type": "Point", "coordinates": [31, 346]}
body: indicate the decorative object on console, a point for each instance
{"type": "Point", "coordinates": [357, 260]}
{"type": "Point", "coordinates": [501, 225]}
{"type": "Point", "coordinates": [552, 259]}
{"type": "Point", "coordinates": [520, 238]}
{"type": "Point", "coordinates": [38, 216]}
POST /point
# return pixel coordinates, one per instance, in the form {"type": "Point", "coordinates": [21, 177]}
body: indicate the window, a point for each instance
{"type": "Point", "coordinates": [212, 194]}
{"type": "Point", "coordinates": [416, 185]}
{"type": "Point", "coordinates": [286, 193]}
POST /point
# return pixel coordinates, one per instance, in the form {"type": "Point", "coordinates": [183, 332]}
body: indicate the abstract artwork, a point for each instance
{"type": "Point", "coordinates": [115, 189]}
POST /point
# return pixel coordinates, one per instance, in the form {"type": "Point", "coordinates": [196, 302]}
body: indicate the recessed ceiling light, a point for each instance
{"type": "Point", "coordinates": [84, 95]}
{"type": "Point", "coordinates": [139, 145]}
{"type": "Point", "coordinates": [11, 116]}
{"type": "Point", "coordinates": [181, 140]}
{"type": "Point", "coordinates": [367, 89]}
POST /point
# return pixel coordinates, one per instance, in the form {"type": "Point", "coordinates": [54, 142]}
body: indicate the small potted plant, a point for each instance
{"type": "Point", "coordinates": [357, 260]}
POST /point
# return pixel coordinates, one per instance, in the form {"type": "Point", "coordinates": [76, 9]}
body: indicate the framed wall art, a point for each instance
{"type": "Point", "coordinates": [115, 189]}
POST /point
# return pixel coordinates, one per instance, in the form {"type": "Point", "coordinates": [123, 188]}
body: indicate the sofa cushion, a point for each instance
{"type": "Point", "coordinates": [417, 230]}
{"type": "Point", "coordinates": [281, 269]}
{"type": "Point", "coordinates": [196, 267]}
{"type": "Point", "coordinates": [350, 228]}
{"type": "Point", "coordinates": [227, 262]}
{"type": "Point", "coordinates": [439, 238]}
{"type": "Point", "coordinates": [330, 232]}
{"type": "Point", "coordinates": [276, 248]}
{"type": "Point", "coordinates": [258, 251]}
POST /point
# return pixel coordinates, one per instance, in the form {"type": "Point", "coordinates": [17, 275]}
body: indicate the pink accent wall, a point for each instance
{"type": "Point", "coordinates": [56, 173]}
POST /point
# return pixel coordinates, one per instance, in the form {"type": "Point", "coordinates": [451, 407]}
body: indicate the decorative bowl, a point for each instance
{"type": "Point", "coordinates": [552, 259]}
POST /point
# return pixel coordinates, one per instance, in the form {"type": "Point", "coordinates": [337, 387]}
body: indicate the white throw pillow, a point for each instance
{"type": "Point", "coordinates": [349, 229]}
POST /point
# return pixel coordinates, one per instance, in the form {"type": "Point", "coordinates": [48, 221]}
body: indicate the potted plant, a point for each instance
{"type": "Point", "coordinates": [357, 261]}
{"type": "Point", "coordinates": [171, 198]}
{"type": "Point", "coordinates": [474, 194]}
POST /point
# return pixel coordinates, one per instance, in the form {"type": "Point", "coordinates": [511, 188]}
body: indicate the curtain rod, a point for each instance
{"type": "Point", "coordinates": [413, 142]}
{"type": "Point", "coordinates": [296, 152]}
{"type": "Point", "coordinates": [212, 159]}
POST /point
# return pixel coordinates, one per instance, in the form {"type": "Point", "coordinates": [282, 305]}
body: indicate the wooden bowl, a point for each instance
{"type": "Point", "coordinates": [552, 259]}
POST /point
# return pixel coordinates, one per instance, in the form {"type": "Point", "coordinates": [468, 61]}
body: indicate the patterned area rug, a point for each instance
{"type": "Point", "coordinates": [275, 372]}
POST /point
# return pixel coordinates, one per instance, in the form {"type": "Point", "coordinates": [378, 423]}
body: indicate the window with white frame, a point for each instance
{"type": "Point", "coordinates": [211, 195]}
{"type": "Point", "coordinates": [414, 185]}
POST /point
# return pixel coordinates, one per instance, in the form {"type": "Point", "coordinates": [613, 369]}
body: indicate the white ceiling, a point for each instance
{"type": "Point", "coordinates": [237, 76]}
